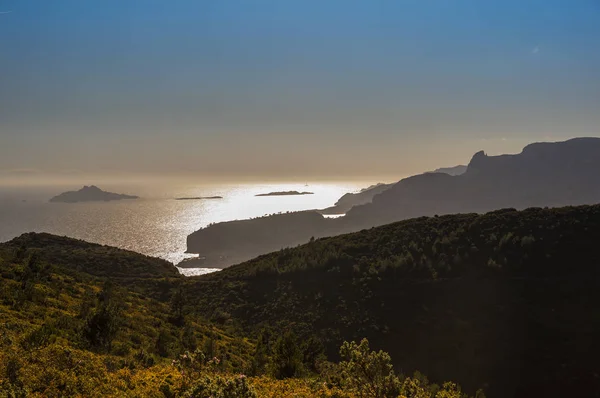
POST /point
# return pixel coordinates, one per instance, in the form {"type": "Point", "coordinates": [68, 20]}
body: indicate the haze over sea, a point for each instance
{"type": "Point", "coordinates": [156, 224]}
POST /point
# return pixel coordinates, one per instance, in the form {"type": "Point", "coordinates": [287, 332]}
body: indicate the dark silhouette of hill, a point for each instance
{"type": "Point", "coordinates": [232, 242]}
{"type": "Point", "coordinates": [350, 200]}
{"type": "Point", "coordinates": [543, 174]}
{"type": "Point", "coordinates": [89, 194]}
{"type": "Point", "coordinates": [453, 171]}
{"type": "Point", "coordinates": [507, 299]}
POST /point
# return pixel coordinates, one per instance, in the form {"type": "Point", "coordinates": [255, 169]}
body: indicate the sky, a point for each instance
{"type": "Point", "coordinates": [289, 89]}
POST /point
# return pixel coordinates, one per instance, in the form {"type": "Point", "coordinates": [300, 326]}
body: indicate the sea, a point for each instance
{"type": "Point", "coordinates": [156, 224]}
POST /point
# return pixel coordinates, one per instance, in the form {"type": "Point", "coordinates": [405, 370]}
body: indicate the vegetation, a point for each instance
{"type": "Point", "coordinates": [505, 301]}
{"type": "Point", "coordinates": [76, 321]}
{"type": "Point", "coordinates": [480, 299]}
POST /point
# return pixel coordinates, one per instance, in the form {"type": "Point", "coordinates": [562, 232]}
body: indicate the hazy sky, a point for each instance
{"type": "Point", "coordinates": [322, 88]}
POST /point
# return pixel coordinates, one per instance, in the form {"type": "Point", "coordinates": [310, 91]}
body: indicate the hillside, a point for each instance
{"type": "Point", "coordinates": [138, 272]}
{"type": "Point", "coordinates": [507, 299]}
{"type": "Point", "coordinates": [543, 174]}
{"type": "Point", "coordinates": [94, 259]}
{"type": "Point", "coordinates": [79, 319]}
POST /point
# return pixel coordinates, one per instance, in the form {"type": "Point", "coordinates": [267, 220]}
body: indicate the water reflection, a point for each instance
{"type": "Point", "coordinates": [196, 271]}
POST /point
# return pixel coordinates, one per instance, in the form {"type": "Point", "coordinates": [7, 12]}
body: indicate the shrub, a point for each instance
{"type": "Point", "coordinates": [367, 373]}
{"type": "Point", "coordinates": [287, 357]}
{"type": "Point", "coordinates": [38, 338]}
{"type": "Point", "coordinates": [221, 387]}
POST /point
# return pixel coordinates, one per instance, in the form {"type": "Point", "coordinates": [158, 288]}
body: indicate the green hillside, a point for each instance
{"type": "Point", "coordinates": [507, 300]}
{"type": "Point", "coordinates": [84, 320]}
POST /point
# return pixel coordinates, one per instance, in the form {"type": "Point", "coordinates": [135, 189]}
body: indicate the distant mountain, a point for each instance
{"type": "Point", "coordinates": [350, 200]}
{"type": "Point", "coordinates": [366, 195]}
{"type": "Point", "coordinates": [543, 174]}
{"type": "Point", "coordinates": [89, 194]}
{"type": "Point", "coordinates": [453, 171]}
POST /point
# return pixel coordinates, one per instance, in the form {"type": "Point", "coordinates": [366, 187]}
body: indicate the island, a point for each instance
{"type": "Point", "coordinates": [201, 198]}
{"type": "Point", "coordinates": [285, 193]}
{"type": "Point", "coordinates": [89, 194]}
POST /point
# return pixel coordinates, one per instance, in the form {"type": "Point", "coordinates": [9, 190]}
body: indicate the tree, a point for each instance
{"type": "Point", "coordinates": [188, 338]}
{"type": "Point", "coordinates": [209, 347]}
{"type": "Point", "coordinates": [449, 390]}
{"type": "Point", "coordinates": [20, 253]}
{"type": "Point", "coordinates": [163, 343]}
{"type": "Point", "coordinates": [367, 373]}
{"type": "Point", "coordinates": [262, 353]}
{"type": "Point", "coordinates": [102, 327]}
{"type": "Point", "coordinates": [414, 388]}
{"type": "Point", "coordinates": [313, 352]}
{"type": "Point", "coordinates": [287, 357]}
{"type": "Point", "coordinates": [177, 315]}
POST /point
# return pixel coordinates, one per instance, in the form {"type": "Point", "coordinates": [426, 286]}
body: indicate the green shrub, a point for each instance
{"type": "Point", "coordinates": [287, 357]}
{"type": "Point", "coordinates": [367, 373]}
{"type": "Point", "coordinates": [220, 387]}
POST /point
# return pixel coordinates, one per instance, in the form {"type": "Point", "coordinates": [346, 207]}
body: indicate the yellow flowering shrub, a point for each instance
{"type": "Point", "coordinates": [297, 388]}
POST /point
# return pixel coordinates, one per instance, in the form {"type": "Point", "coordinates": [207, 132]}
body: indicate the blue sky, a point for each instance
{"type": "Point", "coordinates": [290, 88]}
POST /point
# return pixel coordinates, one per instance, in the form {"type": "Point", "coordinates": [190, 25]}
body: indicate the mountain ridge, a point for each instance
{"type": "Point", "coordinates": [543, 174]}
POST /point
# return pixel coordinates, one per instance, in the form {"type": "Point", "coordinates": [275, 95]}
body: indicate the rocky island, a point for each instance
{"type": "Point", "coordinates": [285, 193]}
{"type": "Point", "coordinates": [89, 194]}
